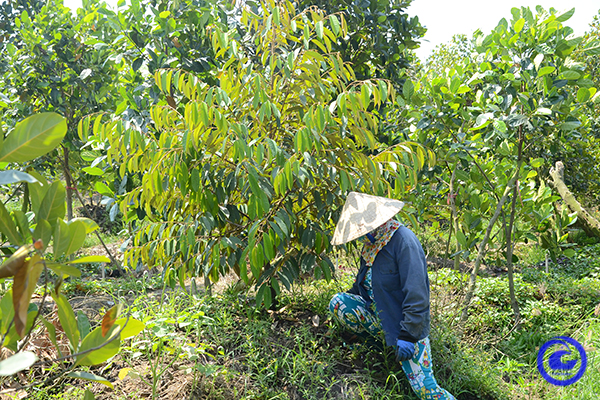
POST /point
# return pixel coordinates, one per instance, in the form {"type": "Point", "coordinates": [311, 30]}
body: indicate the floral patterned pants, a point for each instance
{"type": "Point", "coordinates": [351, 310]}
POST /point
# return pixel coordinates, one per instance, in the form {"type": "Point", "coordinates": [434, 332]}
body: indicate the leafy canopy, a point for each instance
{"type": "Point", "coordinates": [248, 174]}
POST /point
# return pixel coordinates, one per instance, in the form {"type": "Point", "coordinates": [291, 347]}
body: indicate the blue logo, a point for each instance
{"type": "Point", "coordinates": [566, 362]}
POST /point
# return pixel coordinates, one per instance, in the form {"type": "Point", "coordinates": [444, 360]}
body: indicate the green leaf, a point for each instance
{"type": "Point", "coordinates": [43, 231]}
{"type": "Point", "coordinates": [546, 70]}
{"type": "Point", "coordinates": [570, 125]}
{"type": "Point", "coordinates": [83, 323]}
{"type": "Point", "coordinates": [90, 259]}
{"type": "Point", "coordinates": [53, 204]}
{"type": "Point", "coordinates": [504, 148]}
{"type": "Point", "coordinates": [519, 25]}
{"type": "Point", "coordinates": [455, 84]}
{"type": "Point", "coordinates": [33, 137]}
{"type": "Point", "coordinates": [583, 95]}
{"type": "Point", "coordinates": [569, 252]}
{"type": "Point", "coordinates": [259, 295]}
{"type": "Point", "coordinates": [22, 222]}
{"type": "Point", "coordinates": [335, 24]}
{"type": "Point", "coordinates": [95, 339]}
{"type": "Point", "coordinates": [326, 267]}
{"type": "Point", "coordinates": [12, 176]}
{"type": "Point", "coordinates": [8, 227]}
{"type": "Point", "coordinates": [7, 312]}
{"type": "Point", "coordinates": [195, 180]}
{"type": "Point", "coordinates": [460, 236]}
{"type": "Point", "coordinates": [481, 121]}
{"type": "Point", "coordinates": [543, 111]}
{"type": "Point", "coordinates": [88, 376]}
{"type": "Point", "coordinates": [592, 48]}
{"type": "Point", "coordinates": [90, 224]}
{"type": "Point", "coordinates": [319, 29]}
{"type": "Point", "coordinates": [537, 162]}
{"type": "Point", "coordinates": [500, 126]}
{"type": "Point", "coordinates": [51, 329]}
{"type": "Point", "coordinates": [570, 75]}
{"type": "Point", "coordinates": [67, 319]}
{"type": "Point", "coordinates": [61, 270]}
{"type": "Point", "coordinates": [268, 246]}
{"type": "Point", "coordinates": [586, 83]}
{"type": "Point", "coordinates": [93, 171]}
{"type": "Point", "coordinates": [566, 15]}
{"type": "Point", "coordinates": [37, 191]}
{"type": "Point", "coordinates": [17, 362]}
{"type": "Point", "coordinates": [204, 114]}
{"type": "Point", "coordinates": [103, 189]}
{"type": "Point", "coordinates": [68, 238]}
{"type": "Point", "coordinates": [89, 395]}
{"type": "Point", "coordinates": [408, 89]}
{"type": "Point", "coordinates": [267, 297]}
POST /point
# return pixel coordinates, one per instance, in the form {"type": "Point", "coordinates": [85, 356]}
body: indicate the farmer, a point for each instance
{"type": "Point", "coordinates": [391, 291]}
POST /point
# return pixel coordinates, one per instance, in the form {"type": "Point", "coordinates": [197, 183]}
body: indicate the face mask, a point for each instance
{"type": "Point", "coordinates": [367, 239]}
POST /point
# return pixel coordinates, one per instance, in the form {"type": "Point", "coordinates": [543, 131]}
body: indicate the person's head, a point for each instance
{"type": "Point", "coordinates": [362, 215]}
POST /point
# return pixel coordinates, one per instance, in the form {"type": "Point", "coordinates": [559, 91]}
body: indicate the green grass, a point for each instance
{"type": "Point", "coordinates": [92, 240]}
{"type": "Point", "coordinates": [228, 349]}
{"type": "Point", "coordinates": [232, 350]}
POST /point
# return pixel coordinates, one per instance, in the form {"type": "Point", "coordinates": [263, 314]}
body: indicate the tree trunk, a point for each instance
{"type": "Point", "coordinates": [26, 201]}
{"type": "Point", "coordinates": [69, 184]}
{"type": "Point", "coordinates": [590, 225]}
{"type": "Point", "coordinates": [509, 255]}
{"type": "Point", "coordinates": [482, 249]}
{"type": "Point", "coordinates": [452, 203]}
{"type": "Point", "coordinates": [509, 241]}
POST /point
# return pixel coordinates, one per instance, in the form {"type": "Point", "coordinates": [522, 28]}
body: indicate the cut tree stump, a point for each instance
{"type": "Point", "coordinates": [589, 224]}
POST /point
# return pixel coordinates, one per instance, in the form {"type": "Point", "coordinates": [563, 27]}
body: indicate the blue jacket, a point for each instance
{"type": "Point", "coordinates": [400, 288]}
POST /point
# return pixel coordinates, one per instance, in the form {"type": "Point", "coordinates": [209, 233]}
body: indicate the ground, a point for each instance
{"type": "Point", "coordinates": [221, 346]}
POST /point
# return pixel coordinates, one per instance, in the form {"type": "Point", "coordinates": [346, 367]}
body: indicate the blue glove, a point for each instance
{"type": "Point", "coordinates": [404, 350]}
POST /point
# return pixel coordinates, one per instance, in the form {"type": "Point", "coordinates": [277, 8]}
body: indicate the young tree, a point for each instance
{"type": "Point", "coordinates": [30, 234]}
{"type": "Point", "coordinates": [379, 35]}
{"type": "Point", "coordinates": [493, 118]}
{"type": "Point", "coordinates": [249, 174]}
{"type": "Point", "coordinates": [51, 67]}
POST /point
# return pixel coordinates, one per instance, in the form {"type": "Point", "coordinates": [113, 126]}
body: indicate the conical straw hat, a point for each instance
{"type": "Point", "coordinates": [361, 214]}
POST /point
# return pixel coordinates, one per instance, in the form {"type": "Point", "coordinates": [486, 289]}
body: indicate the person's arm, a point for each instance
{"type": "Point", "coordinates": [415, 287]}
{"type": "Point", "coordinates": [355, 289]}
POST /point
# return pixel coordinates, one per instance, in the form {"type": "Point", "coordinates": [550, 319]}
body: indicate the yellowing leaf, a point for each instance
{"type": "Point", "coordinates": [15, 262]}
{"type": "Point", "coordinates": [123, 373]}
{"type": "Point", "coordinates": [109, 318]}
{"type": "Point", "coordinates": [90, 259]}
{"type": "Point", "coordinates": [23, 287]}
{"type": "Point", "coordinates": [132, 328]}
